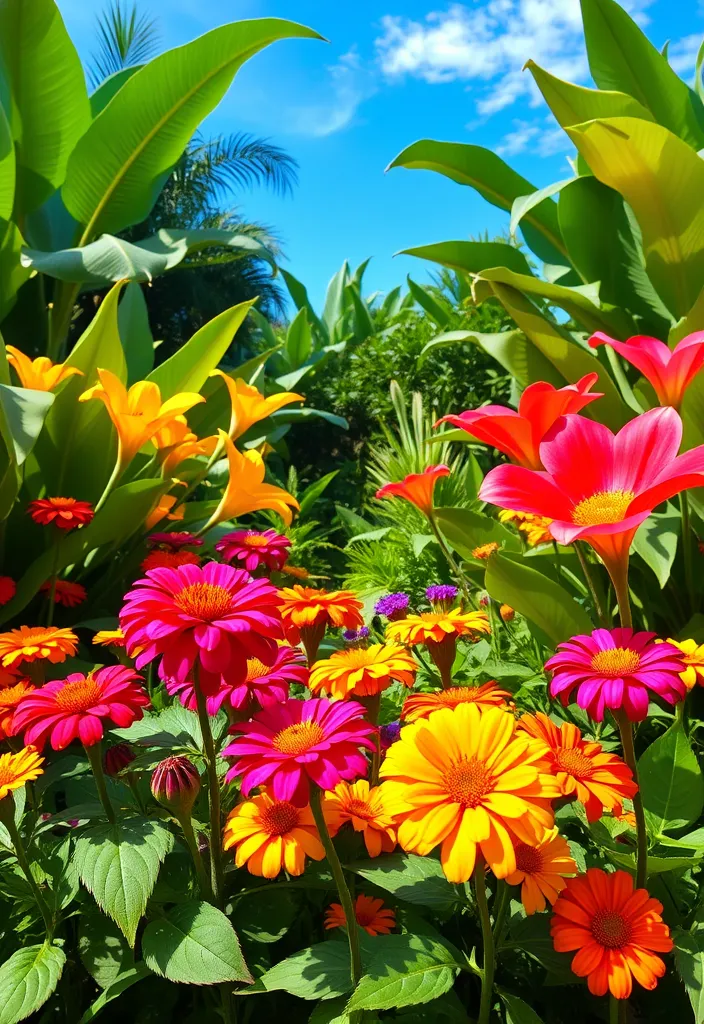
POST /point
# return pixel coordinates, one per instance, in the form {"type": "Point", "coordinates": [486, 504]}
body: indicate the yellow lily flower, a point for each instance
{"type": "Point", "coordinates": [138, 413]}
{"type": "Point", "coordinates": [162, 509]}
{"type": "Point", "coordinates": [176, 442]}
{"type": "Point", "coordinates": [246, 490]}
{"type": "Point", "coordinates": [39, 374]}
{"type": "Point", "coordinates": [249, 405]}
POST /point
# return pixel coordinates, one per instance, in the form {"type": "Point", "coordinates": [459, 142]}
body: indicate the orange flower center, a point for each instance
{"type": "Point", "coordinates": [62, 502]}
{"type": "Point", "coordinates": [468, 782]}
{"type": "Point", "coordinates": [12, 695]}
{"type": "Point", "coordinates": [205, 601]}
{"type": "Point", "coordinates": [7, 774]}
{"type": "Point", "coordinates": [79, 695]}
{"type": "Point", "coordinates": [357, 658]}
{"type": "Point", "coordinates": [280, 818]}
{"type": "Point", "coordinates": [254, 540]}
{"type": "Point", "coordinates": [574, 763]}
{"type": "Point", "coordinates": [455, 695]}
{"type": "Point", "coordinates": [485, 551]}
{"type": "Point", "coordinates": [297, 739]}
{"type": "Point", "coordinates": [360, 809]}
{"type": "Point", "coordinates": [602, 507]}
{"type": "Point", "coordinates": [256, 669]}
{"type": "Point", "coordinates": [618, 661]}
{"type": "Point", "coordinates": [610, 929]}
{"type": "Point", "coordinates": [528, 859]}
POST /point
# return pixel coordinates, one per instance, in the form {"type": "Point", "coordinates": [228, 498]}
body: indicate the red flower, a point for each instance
{"type": "Point", "coordinates": [416, 487]}
{"type": "Point", "coordinates": [670, 371]}
{"type": "Point", "coordinates": [65, 592]}
{"type": "Point", "coordinates": [169, 560]}
{"type": "Point", "coordinates": [74, 708]}
{"type": "Point", "coordinates": [7, 589]}
{"type": "Point", "coordinates": [254, 548]}
{"type": "Point", "coordinates": [174, 540]}
{"type": "Point", "coordinates": [66, 513]}
{"type": "Point", "coordinates": [518, 434]}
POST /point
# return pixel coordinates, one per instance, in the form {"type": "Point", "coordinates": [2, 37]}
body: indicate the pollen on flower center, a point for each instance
{"type": "Point", "coordinates": [610, 929]}
{"type": "Point", "coordinates": [468, 782]}
{"type": "Point", "coordinates": [205, 601]}
{"type": "Point", "coordinates": [360, 809]}
{"type": "Point", "coordinates": [79, 695]}
{"type": "Point", "coordinates": [280, 818]}
{"type": "Point", "coordinates": [574, 763]}
{"type": "Point", "coordinates": [255, 540]}
{"type": "Point", "coordinates": [602, 507]}
{"type": "Point", "coordinates": [297, 739]}
{"type": "Point", "coordinates": [358, 657]}
{"type": "Point", "coordinates": [617, 661]}
{"type": "Point", "coordinates": [256, 669]}
{"type": "Point", "coordinates": [528, 859]}
{"type": "Point", "coordinates": [455, 695]}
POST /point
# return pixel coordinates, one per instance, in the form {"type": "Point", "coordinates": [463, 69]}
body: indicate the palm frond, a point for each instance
{"type": "Point", "coordinates": [125, 38]}
{"type": "Point", "coordinates": [222, 165]}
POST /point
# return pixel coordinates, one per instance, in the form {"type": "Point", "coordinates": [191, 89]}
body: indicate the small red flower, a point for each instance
{"type": "Point", "coordinates": [254, 548]}
{"type": "Point", "coordinates": [65, 592]}
{"type": "Point", "coordinates": [169, 559]}
{"type": "Point", "coordinates": [66, 513]}
{"type": "Point", "coordinates": [7, 589]}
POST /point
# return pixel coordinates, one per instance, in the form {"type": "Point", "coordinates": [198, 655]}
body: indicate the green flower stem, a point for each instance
{"type": "Point", "coordinates": [372, 705]}
{"type": "Point", "coordinates": [687, 551]}
{"type": "Point", "coordinates": [503, 901]}
{"type": "Point", "coordinates": [95, 756]}
{"type": "Point", "coordinates": [60, 318]}
{"type": "Point", "coordinates": [629, 755]}
{"type": "Point", "coordinates": [458, 574]}
{"type": "Point", "coordinates": [8, 819]}
{"type": "Point", "coordinates": [617, 1010]}
{"type": "Point", "coordinates": [114, 476]}
{"type": "Point", "coordinates": [53, 577]}
{"type": "Point", "coordinates": [342, 889]}
{"type": "Point", "coordinates": [216, 869]}
{"type": "Point", "coordinates": [487, 997]}
{"type": "Point", "coordinates": [206, 889]}
{"type": "Point", "coordinates": [618, 571]}
{"type": "Point", "coordinates": [589, 579]}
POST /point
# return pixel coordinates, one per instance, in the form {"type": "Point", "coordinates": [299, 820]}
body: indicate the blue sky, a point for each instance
{"type": "Point", "coordinates": [395, 71]}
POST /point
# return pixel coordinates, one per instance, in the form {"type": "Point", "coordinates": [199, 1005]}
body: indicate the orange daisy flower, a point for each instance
{"type": "Point", "coordinates": [417, 488]}
{"type": "Point", "coordinates": [439, 631]}
{"type": "Point", "coordinates": [581, 767]}
{"type": "Point", "coordinates": [466, 780]}
{"type": "Point", "coordinates": [485, 551]}
{"type": "Point", "coordinates": [10, 697]}
{"type": "Point", "coordinates": [34, 643]}
{"type": "Point", "coordinates": [363, 671]}
{"type": "Point", "coordinates": [422, 705]}
{"type": "Point", "coordinates": [616, 929]}
{"type": "Point", "coordinates": [169, 559]}
{"type": "Point", "coordinates": [307, 612]}
{"type": "Point", "coordinates": [370, 913]}
{"type": "Point", "coordinates": [66, 513]}
{"type": "Point", "coordinates": [364, 808]}
{"type": "Point", "coordinates": [534, 528]}
{"type": "Point", "coordinates": [541, 870]}
{"type": "Point", "coordinates": [18, 769]}
{"type": "Point", "coordinates": [65, 592]}
{"type": "Point", "coordinates": [693, 657]}
{"type": "Point", "coordinates": [271, 835]}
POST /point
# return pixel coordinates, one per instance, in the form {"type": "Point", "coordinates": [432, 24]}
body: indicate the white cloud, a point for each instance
{"type": "Point", "coordinates": [534, 135]}
{"type": "Point", "coordinates": [682, 55]}
{"type": "Point", "coordinates": [350, 83]}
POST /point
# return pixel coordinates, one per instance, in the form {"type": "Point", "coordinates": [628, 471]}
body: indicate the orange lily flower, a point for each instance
{"type": "Point", "coordinates": [39, 374]}
{"type": "Point", "coordinates": [162, 509]}
{"type": "Point", "coordinates": [177, 442]}
{"type": "Point", "coordinates": [138, 413]}
{"type": "Point", "coordinates": [417, 488]}
{"type": "Point", "coordinates": [249, 405]}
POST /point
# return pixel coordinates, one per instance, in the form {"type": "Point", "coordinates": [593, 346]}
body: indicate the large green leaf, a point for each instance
{"type": "Point", "coordinates": [117, 169]}
{"type": "Point", "coordinates": [135, 333]}
{"type": "Point", "coordinates": [671, 782]}
{"type": "Point", "coordinates": [22, 415]}
{"type": "Point", "coordinates": [418, 880]}
{"type": "Point", "coordinates": [104, 951]}
{"type": "Point", "coordinates": [119, 865]}
{"type": "Point", "coordinates": [298, 339]}
{"type": "Point", "coordinates": [194, 944]}
{"type": "Point", "coordinates": [622, 57]}
{"type": "Point", "coordinates": [661, 179]}
{"type": "Point", "coordinates": [520, 357]}
{"type": "Point", "coordinates": [109, 86]}
{"type": "Point", "coordinates": [656, 542]}
{"type": "Point", "coordinates": [472, 257]}
{"type": "Point", "coordinates": [335, 301]}
{"type": "Point", "coordinates": [126, 979]}
{"type": "Point", "coordinates": [407, 970]}
{"type": "Point", "coordinates": [27, 980]}
{"type": "Point", "coordinates": [539, 598]}
{"type": "Point", "coordinates": [298, 293]}
{"type": "Point", "coordinates": [48, 106]}
{"type": "Point", "coordinates": [573, 104]}
{"type": "Point", "coordinates": [466, 530]}
{"type": "Point", "coordinates": [319, 972]}
{"type": "Point", "coordinates": [689, 960]}
{"type": "Point", "coordinates": [517, 1011]}
{"type": "Point", "coordinates": [427, 301]}
{"type": "Point", "coordinates": [7, 172]}
{"type": "Point", "coordinates": [12, 274]}
{"type": "Point", "coordinates": [493, 179]}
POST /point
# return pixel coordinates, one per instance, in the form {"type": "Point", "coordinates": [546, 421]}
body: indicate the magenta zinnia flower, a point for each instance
{"type": "Point", "coordinates": [616, 669]}
{"type": "Point", "coordinates": [254, 548]}
{"type": "Point", "coordinates": [265, 684]}
{"type": "Point", "coordinates": [212, 616]}
{"type": "Point", "coordinates": [174, 540]}
{"type": "Point", "coordinates": [289, 745]}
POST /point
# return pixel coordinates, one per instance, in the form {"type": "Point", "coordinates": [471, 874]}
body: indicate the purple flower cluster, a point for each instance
{"type": "Point", "coordinates": [441, 592]}
{"type": "Point", "coordinates": [353, 636]}
{"type": "Point", "coordinates": [388, 734]}
{"type": "Point", "coordinates": [393, 606]}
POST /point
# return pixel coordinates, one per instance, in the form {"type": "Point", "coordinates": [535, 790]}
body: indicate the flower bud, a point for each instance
{"type": "Point", "coordinates": [176, 784]}
{"type": "Point", "coordinates": [507, 613]}
{"type": "Point", "coordinates": [117, 758]}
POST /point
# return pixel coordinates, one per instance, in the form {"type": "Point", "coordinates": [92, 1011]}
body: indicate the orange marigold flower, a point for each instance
{"type": "Point", "coordinates": [271, 835]}
{"type": "Point", "coordinates": [541, 870]}
{"type": "Point", "coordinates": [7, 589]}
{"type": "Point", "coordinates": [693, 657]}
{"type": "Point", "coordinates": [10, 697]}
{"type": "Point", "coordinates": [65, 592]}
{"type": "Point", "coordinates": [466, 780]}
{"type": "Point", "coordinates": [33, 643]}
{"type": "Point", "coordinates": [109, 638]}
{"type": "Point", "coordinates": [370, 913]}
{"type": "Point", "coordinates": [66, 513]}
{"type": "Point", "coordinates": [439, 630]}
{"type": "Point", "coordinates": [616, 930]}
{"type": "Point", "coordinates": [485, 551]}
{"type": "Point", "coordinates": [307, 612]}
{"type": "Point", "coordinates": [536, 529]}
{"type": "Point", "coordinates": [364, 808]}
{"type": "Point", "coordinates": [39, 374]}
{"type": "Point", "coordinates": [421, 705]}
{"type": "Point", "coordinates": [582, 768]}
{"type": "Point", "coordinates": [416, 487]}
{"type": "Point", "coordinates": [18, 769]}
{"type": "Point", "coordinates": [363, 671]}
{"type": "Point", "coordinates": [169, 559]}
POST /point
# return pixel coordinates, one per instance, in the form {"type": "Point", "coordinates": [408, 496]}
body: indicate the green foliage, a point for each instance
{"type": "Point", "coordinates": [194, 944]}
{"type": "Point", "coordinates": [27, 980]}
{"type": "Point", "coordinates": [671, 782]}
{"type": "Point", "coordinates": [407, 970]}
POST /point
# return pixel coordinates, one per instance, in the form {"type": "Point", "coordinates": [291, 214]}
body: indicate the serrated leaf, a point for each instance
{"type": "Point", "coordinates": [689, 960]}
{"type": "Point", "coordinates": [175, 726]}
{"type": "Point", "coordinates": [102, 947]}
{"type": "Point", "coordinates": [119, 865]}
{"type": "Point", "coordinates": [418, 880]}
{"type": "Point", "coordinates": [518, 1011]}
{"type": "Point", "coordinates": [406, 970]}
{"type": "Point", "coordinates": [671, 782]}
{"type": "Point", "coordinates": [194, 944]}
{"type": "Point", "coordinates": [319, 972]}
{"type": "Point", "coordinates": [27, 980]}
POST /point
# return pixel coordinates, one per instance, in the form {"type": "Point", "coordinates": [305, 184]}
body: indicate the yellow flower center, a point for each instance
{"type": "Point", "coordinates": [602, 507]}
{"type": "Point", "coordinates": [256, 669]}
{"type": "Point", "coordinates": [610, 929]}
{"type": "Point", "coordinates": [79, 695]}
{"type": "Point", "coordinates": [618, 661]}
{"type": "Point", "coordinates": [255, 540]}
{"type": "Point", "coordinates": [468, 782]}
{"type": "Point", "coordinates": [12, 695]}
{"type": "Point", "coordinates": [574, 763]}
{"type": "Point", "coordinates": [455, 695]}
{"type": "Point", "coordinates": [297, 739]}
{"type": "Point", "coordinates": [357, 658]}
{"type": "Point", "coordinates": [528, 859]}
{"type": "Point", "coordinates": [485, 551]}
{"type": "Point", "coordinates": [205, 601]}
{"type": "Point", "coordinates": [280, 818]}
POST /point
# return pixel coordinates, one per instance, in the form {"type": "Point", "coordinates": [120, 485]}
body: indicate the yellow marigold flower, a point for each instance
{"type": "Point", "coordinates": [541, 870]}
{"type": "Point", "coordinates": [363, 806]}
{"type": "Point", "coordinates": [18, 769]}
{"type": "Point", "coordinates": [439, 630]}
{"type": "Point", "coordinates": [370, 913]}
{"type": "Point", "coordinates": [465, 780]}
{"type": "Point", "coordinates": [109, 638]}
{"type": "Point", "coordinates": [162, 510]}
{"type": "Point", "coordinates": [249, 405]}
{"type": "Point", "coordinates": [306, 613]}
{"type": "Point", "coordinates": [35, 643]}
{"type": "Point", "coordinates": [363, 672]}
{"type": "Point", "coordinates": [485, 551]}
{"type": "Point", "coordinates": [422, 705]}
{"type": "Point", "coordinates": [534, 528]}
{"type": "Point", "coordinates": [176, 442]}
{"type": "Point", "coordinates": [39, 374]}
{"type": "Point", "coordinates": [138, 413]}
{"type": "Point", "coordinates": [693, 659]}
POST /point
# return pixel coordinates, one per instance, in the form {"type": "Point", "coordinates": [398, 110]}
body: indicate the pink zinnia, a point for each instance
{"type": "Point", "coordinates": [290, 745]}
{"type": "Point", "coordinates": [616, 668]}
{"type": "Point", "coordinates": [254, 548]}
{"type": "Point", "coordinates": [74, 708]}
{"type": "Point", "coordinates": [212, 616]}
{"type": "Point", "coordinates": [265, 684]}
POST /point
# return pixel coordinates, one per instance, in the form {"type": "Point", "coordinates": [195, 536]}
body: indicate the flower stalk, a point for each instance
{"type": "Point", "coordinates": [7, 817]}
{"type": "Point", "coordinates": [629, 756]}
{"type": "Point", "coordinates": [216, 867]}
{"type": "Point", "coordinates": [95, 758]}
{"type": "Point", "coordinates": [488, 959]}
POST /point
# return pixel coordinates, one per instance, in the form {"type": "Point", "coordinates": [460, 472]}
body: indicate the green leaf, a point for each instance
{"type": "Point", "coordinates": [102, 947]}
{"type": "Point", "coordinates": [298, 339]}
{"type": "Point", "coordinates": [298, 293]}
{"type": "Point", "coordinates": [27, 980]}
{"type": "Point", "coordinates": [540, 599]}
{"type": "Point", "coordinates": [362, 322]}
{"type": "Point", "coordinates": [511, 349]}
{"type": "Point", "coordinates": [407, 970]}
{"type": "Point", "coordinates": [194, 944]}
{"type": "Point", "coordinates": [518, 1012]}
{"type": "Point", "coordinates": [22, 414]}
{"type": "Point", "coordinates": [574, 104]}
{"type": "Point", "coordinates": [135, 334]}
{"type": "Point", "coordinates": [330, 1012]}
{"type": "Point", "coordinates": [689, 960]}
{"type": "Point", "coordinates": [7, 172]}
{"type": "Point", "coordinates": [174, 726]}
{"type": "Point", "coordinates": [471, 257]}
{"type": "Point", "coordinates": [112, 84]}
{"type": "Point", "coordinates": [121, 983]}
{"type": "Point", "coordinates": [265, 916]}
{"type": "Point", "coordinates": [118, 167]}
{"type": "Point", "coordinates": [532, 936]}
{"type": "Point", "coordinates": [671, 782]}
{"type": "Point", "coordinates": [319, 972]}
{"type": "Point", "coordinates": [335, 300]}
{"type": "Point", "coordinates": [466, 530]}
{"type": "Point", "coordinates": [47, 106]}
{"type": "Point", "coordinates": [314, 491]}
{"type": "Point", "coordinates": [656, 542]}
{"type": "Point", "coordinates": [119, 865]}
{"type": "Point", "coordinates": [524, 204]}
{"type": "Point", "coordinates": [418, 880]}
